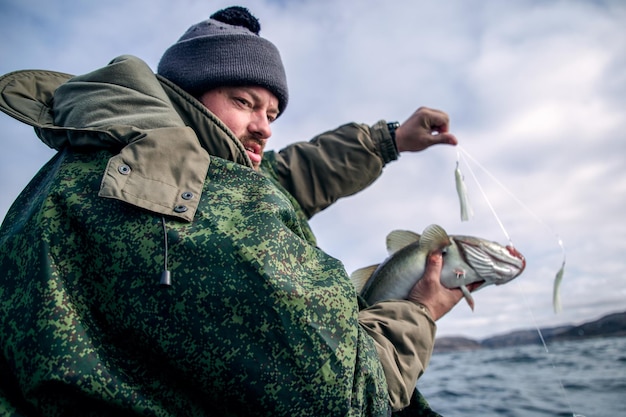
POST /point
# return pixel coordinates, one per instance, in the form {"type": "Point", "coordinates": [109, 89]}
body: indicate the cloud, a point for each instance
{"type": "Point", "coordinates": [535, 91]}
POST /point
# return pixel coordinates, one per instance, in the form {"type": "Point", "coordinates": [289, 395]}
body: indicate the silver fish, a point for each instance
{"type": "Point", "coordinates": [468, 261]}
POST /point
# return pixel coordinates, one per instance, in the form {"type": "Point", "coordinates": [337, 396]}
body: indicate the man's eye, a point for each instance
{"type": "Point", "coordinates": [242, 101]}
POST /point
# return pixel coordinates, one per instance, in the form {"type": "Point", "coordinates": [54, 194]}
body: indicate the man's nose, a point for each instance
{"type": "Point", "coordinates": [260, 127]}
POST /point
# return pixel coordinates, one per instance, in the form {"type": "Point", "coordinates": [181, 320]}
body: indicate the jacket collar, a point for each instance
{"type": "Point", "coordinates": [99, 109]}
{"type": "Point", "coordinates": [209, 129]}
{"type": "Point", "coordinates": [28, 96]}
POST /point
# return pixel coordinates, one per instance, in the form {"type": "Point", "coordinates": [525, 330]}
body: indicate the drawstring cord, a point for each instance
{"type": "Point", "coordinates": [166, 279]}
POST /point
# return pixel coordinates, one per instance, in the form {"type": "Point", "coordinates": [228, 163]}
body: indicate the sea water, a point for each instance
{"type": "Point", "coordinates": [575, 378]}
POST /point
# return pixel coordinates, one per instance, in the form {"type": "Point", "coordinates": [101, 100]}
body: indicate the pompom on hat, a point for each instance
{"type": "Point", "coordinates": [225, 50]}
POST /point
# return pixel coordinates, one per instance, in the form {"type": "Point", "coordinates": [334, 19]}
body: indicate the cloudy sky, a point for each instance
{"type": "Point", "coordinates": [536, 92]}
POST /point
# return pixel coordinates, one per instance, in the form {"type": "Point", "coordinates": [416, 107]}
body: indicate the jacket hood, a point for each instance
{"type": "Point", "coordinates": [161, 136]}
{"type": "Point", "coordinates": [112, 106]}
{"type": "Point", "coordinates": [27, 96]}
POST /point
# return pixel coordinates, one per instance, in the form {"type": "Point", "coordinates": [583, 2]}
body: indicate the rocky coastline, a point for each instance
{"type": "Point", "coordinates": [611, 325]}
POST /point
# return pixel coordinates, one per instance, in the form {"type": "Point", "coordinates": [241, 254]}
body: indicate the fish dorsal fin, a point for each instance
{"type": "Point", "coordinates": [399, 239]}
{"type": "Point", "coordinates": [434, 238]}
{"type": "Point", "coordinates": [360, 277]}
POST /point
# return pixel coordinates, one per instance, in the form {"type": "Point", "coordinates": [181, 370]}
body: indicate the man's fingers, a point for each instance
{"type": "Point", "coordinates": [435, 262]}
{"type": "Point", "coordinates": [445, 139]}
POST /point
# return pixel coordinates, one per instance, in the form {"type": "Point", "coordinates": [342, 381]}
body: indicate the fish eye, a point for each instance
{"type": "Point", "coordinates": [444, 251]}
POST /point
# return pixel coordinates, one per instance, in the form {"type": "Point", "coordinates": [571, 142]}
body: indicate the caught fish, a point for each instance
{"type": "Point", "coordinates": [467, 261]}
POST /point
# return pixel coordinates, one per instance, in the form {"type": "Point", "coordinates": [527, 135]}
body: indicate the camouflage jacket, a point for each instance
{"type": "Point", "coordinates": [257, 321]}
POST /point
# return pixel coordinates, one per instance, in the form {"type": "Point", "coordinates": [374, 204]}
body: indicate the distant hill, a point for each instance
{"type": "Point", "coordinates": [612, 325]}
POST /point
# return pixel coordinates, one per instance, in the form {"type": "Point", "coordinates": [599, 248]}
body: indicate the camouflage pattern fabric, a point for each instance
{"type": "Point", "coordinates": [257, 321]}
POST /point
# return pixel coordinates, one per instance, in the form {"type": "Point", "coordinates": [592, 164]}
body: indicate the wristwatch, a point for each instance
{"type": "Point", "coordinates": [392, 126]}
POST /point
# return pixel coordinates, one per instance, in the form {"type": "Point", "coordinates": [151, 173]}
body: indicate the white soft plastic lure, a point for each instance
{"type": "Point", "coordinates": [466, 213]}
{"type": "Point", "coordinates": [556, 298]}
{"type": "Point", "coordinates": [466, 209]}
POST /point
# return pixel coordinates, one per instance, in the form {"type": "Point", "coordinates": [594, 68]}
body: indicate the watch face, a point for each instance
{"type": "Point", "coordinates": [392, 126]}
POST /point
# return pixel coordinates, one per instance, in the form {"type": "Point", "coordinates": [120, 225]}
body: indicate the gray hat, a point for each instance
{"type": "Point", "coordinates": [225, 50]}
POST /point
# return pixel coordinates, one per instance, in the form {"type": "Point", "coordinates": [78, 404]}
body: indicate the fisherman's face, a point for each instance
{"type": "Point", "coordinates": [248, 113]}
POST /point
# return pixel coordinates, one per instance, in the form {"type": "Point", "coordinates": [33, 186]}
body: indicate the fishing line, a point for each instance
{"type": "Point", "coordinates": [548, 353]}
{"type": "Point", "coordinates": [510, 193]}
{"type": "Point", "coordinates": [493, 211]}
{"type": "Point", "coordinates": [463, 198]}
{"type": "Point", "coordinates": [556, 300]}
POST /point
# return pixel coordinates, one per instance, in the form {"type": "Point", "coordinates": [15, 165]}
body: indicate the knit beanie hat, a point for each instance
{"type": "Point", "coordinates": [225, 50]}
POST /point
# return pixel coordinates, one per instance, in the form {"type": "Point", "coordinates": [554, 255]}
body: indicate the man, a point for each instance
{"type": "Point", "coordinates": [162, 264]}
